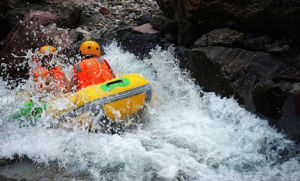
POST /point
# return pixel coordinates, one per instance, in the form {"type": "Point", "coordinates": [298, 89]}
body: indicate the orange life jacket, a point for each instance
{"type": "Point", "coordinates": [55, 72]}
{"type": "Point", "coordinates": [92, 71]}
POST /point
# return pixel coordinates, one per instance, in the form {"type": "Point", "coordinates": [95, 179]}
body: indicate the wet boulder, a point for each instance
{"type": "Point", "coordinates": [207, 73]}
{"type": "Point", "coordinates": [37, 29]}
{"type": "Point", "coordinates": [196, 17]}
{"type": "Point", "coordinates": [139, 44]}
{"type": "Point", "coordinates": [3, 19]}
{"type": "Point", "coordinates": [264, 84]}
{"type": "Point", "coordinates": [278, 100]}
{"type": "Point", "coordinates": [68, 13]}
{"type": "Point", "coordinates": [267, 44]}
{"type": "Point", "coordinates": [220, 37]}
{"type": "Point", "coordinates": [163, 24]}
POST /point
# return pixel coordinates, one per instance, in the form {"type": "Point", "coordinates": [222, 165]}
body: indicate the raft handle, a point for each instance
{"type": "Point", "coordinates": [114, 82]}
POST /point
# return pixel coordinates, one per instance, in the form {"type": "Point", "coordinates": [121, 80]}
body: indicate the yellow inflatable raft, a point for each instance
{"type": "Point", "coordinates": [116, 99]}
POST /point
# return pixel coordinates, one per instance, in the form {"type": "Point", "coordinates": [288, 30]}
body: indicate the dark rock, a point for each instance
{"type": "Point", "coordinates": [143, 19]}
{"type": "Point", "coordinates": [169, 37]}
{"type": "Point", "coordinates": [268, 99]}
{"type": "Point", "coordinates": [262, 83]}
{"type": "Point", "coordinates": [220, 37]}
{"type": "Point", "coordinates": [37, 29]}
{"type": "Point", "coordinates": [4, 28]}
{"type": "Point", "coordinates": [91, 17]}
{"type": "Point", "coordinates": [68, 14]}
{"type": "Point", "coordinates": [280, 102]}
{"type": "Point", "coordinates": [1, 45]}
{"type": "Point", "coordinates": [267, 44]}
{"type": "Point", "coordinates": [195, 17]}
{"type": "Point", "coordinates": [257, 43]}
{"type": "Point", "coordinates": [277, 49]}
{"type": "Point", "coordinates": [183, 54]}
{"type": "Point", "coordinates": [139, 44]}
{"type": "Point", "coordinates": [162, 23]}
{"type": "Point", "coordinates": [207, 73]}
{"type": "Point", "coordinates": [79, 34]}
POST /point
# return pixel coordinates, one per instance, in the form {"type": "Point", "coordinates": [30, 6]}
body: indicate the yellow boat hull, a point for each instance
{"type": "Point", "coordinates": [116, 99]}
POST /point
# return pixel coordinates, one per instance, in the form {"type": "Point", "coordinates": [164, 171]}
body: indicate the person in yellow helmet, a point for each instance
{"type": "Point", "coordinates": [92, 69]}
{"type": "Point", "coordinates": [51, 77]}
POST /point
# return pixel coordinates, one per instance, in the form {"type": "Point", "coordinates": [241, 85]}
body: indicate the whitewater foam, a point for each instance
{"type": "Point", "coordinates": [185, 134]}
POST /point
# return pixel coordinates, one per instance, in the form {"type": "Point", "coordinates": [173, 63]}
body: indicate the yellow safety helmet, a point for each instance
{"type": "Point", "coordinates": [90, 48]}
{"type": "Point", "coordinates": [47, 50]}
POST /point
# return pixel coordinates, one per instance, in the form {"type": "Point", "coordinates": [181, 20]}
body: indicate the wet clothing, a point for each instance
{"type": "Point", "coordinates": [55, 72]}
{"type": "Point", "coordinates": [92, 71]}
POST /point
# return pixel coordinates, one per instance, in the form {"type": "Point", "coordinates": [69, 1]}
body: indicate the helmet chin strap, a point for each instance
{"type": "Point", "coordinates": [89, 56]}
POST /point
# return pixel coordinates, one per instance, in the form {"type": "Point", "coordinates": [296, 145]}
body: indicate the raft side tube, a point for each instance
{"type": "Point", "coordinates": [117, 103]}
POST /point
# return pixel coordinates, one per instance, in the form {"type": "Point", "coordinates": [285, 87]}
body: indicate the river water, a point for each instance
{"type": "Point", "coordinates": [184, 134]}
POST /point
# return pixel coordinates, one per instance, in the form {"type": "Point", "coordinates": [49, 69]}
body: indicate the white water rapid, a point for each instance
{"type": "Point", "coordinates": [185, 134]}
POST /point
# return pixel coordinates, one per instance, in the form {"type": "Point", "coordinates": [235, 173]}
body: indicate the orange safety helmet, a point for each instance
{"type": "Point", "coordinates": [47, 50]}
{"type": "Point", "coordinates": [90, 48]}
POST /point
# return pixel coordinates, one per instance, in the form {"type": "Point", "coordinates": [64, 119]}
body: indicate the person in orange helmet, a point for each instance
{"type": "Point", "coordinates": [92, 69]}
{"type": "Point", "coordinates": [51, 77]}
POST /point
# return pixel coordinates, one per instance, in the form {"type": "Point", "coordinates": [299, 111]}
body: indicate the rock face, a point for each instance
{"type": "Point", "coordinates": [249, 49]}
{"type": "Point", "coordinates": [37, 29]}
{"type": "Point", "coordinates": [139, 44]}
{"type": "Point", "coordinates": [3, 19]}
{"type": "Point", "coordinates": [221, 36]}
{"type": "Point", "coordinates": [195, 17]}
{"type": "Point", "coordinates": [262, 83]}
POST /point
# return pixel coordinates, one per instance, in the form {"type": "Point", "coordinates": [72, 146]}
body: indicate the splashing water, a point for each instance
{"type": "Point", "coordinates": [186, 135]}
